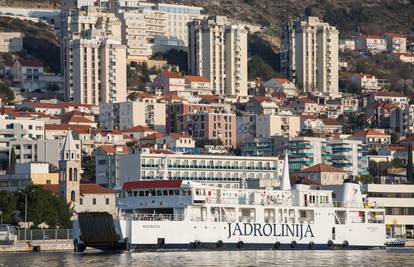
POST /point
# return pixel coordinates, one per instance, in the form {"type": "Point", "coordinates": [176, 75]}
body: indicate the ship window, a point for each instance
{"type": "Point", "coordinates": [306, 216]}
{"type": "Point", "coordinates": [159, 193]}
{"type": "Point", "coordinates": [141, 193]}
{"type": "Point", "coordinates": [177, 192]}
{"type": "Point", "coordinates": [152, 192]}
{"type": "Point", "coordinates": [357, 216]}
{"type": "Point", "coordinates": [135, 193]}
{"type": "Point", "coordinates": [292, 216]}
{"type": "Point", "coordinates": [130, 193]}
{"type": "Point", "coordinates": [147, 193]}
{"type": "Point", "coordinates": [165, 192]}
{"type": "Point", "coordinates": [375, 217]}
{"type": "Point", "coordinates": [171, 192]}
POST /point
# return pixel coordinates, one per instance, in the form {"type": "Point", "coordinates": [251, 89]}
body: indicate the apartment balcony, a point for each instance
{"type": "Point", "coordinates": [300, 146]}
{"type": "Point", "coordinates": [341, 149]}
{"type": "Point", "coordinates": [337, 157]}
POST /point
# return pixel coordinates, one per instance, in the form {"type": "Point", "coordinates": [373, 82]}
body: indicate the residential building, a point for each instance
{"type": "Point", "coordinates": [348, 155]}
{"type": "Point", "coordinates": [398, 201]}
{"type": "Point", "coordinates": [396, 43]}
{"type": "Point", "coordinates": [306, 106]}
{"type": "Point", "coordinates": [123, 115]}
{"type": "Point", "coordinates": [11, 42]}
{"type": "Point", "coordinates": [20, 129]}
{"type": "Point", "coordinates": [374, 138]}
{"type": "Point", "coordinates": [277, 124]}
{"type": "Point", "coordinates": [281, 85]}
{"type": "Point", "coordinates": [364, 81]}
{"type": "Point", "coordinates": [218, 51]}
{"type": "Point", "coordinates": [346, 44]}
{"type": "Point", "coordinates": [370, 44]}
{"type": "Point", "coordinates": [405, 57]}
{"type": "Point", "coordinates": [180, 143]}
{"type": "Point", "coordinates": [305, 152]}
{"type": "Point", "coordinates": [210, 125]}
{"type": "Point", "coordinates": [170, 83]}
{"type": "Point", "coordinates": [138, 132]}
{"type": "Point", "coordinates": [262, 105]}
{"type": "Point", "coordinates": [310, 54]}
{"type": "Point", "coordinates": [27, 174]}
{"type": "Point", "coordinates": [257, 147]}
{"type": "Point", "coordinates": [222, 171]}
{"type": "Point", "coordinates": [197, 85]}
{"type": "Point", "coordinates": [107, 164]}
{"type": "Point", "coordinates": [392, 97]}
{"type": "Point", "coordinates": [94, 58]}
{"type": "Point", "coordinates": [324, 174]}
{"type": "Point", "coordinates": [402, 120]}
{"type": "Point", "coordinates": [149, 28]}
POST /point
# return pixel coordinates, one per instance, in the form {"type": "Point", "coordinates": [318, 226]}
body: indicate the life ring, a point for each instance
{"type": "Point", "coordinates": [293, 244]}
{"type": "Point", "coordinates": [345, 244]}
{"type": "Point", "coordinates": [219, 244]}
{"type": "Point", "coordinates": [276, 245]}
{"type": "Point", "coordinates": [311, 245]}
{"type": "Point", "coordinates": [330, 244]}
{"type": "Point", "coordinates": [240, 244]}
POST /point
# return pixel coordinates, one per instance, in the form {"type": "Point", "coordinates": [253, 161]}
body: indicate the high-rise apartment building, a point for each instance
{"type": "Point", "coordinates": [310, 54]}
{"type": "Point", "coordinates": [94, 57]}
{"type": "Point", "coordinates": [218, 51]}
{"type": "Point", "coordinates": [148, 28]}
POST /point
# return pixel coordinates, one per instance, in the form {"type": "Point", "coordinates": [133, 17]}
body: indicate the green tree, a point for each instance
{"type": "Point", "coordinates": [366, 179]}
{"type": "Point", "coordinates": [6, 93]}
{"type": "Point", "coordinates": [7, 206]}
{"type": "Point", "coordinates": [397, 163]}
{"type": "Point", "coordinates": [259, 69]}
{"type": "Point", "coordinates": [44, 206]}
{"type": "Point", "coordinates": [89, 168]}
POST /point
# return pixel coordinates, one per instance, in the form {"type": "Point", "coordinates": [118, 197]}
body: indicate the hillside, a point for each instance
{"type": "Point", "coordinates": [373, 16]}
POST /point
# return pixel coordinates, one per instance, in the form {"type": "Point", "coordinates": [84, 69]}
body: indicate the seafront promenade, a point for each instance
{"type": "Point", "coordinates": [38, 245]}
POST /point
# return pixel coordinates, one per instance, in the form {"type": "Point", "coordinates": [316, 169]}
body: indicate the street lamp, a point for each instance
{"type": "Point", "coordinates": [25, 210]}
{"type": "Point", "coordinates": [1, 217]}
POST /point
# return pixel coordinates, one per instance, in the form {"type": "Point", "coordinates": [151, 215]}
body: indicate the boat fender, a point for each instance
{"type": "Point", "coordinates": [240, 244]}
{"type": "Point", "coordinates": [345, 244]}
{"type": "Point", "coordinates": [330, 243]}
{"type": "Point", "coordinates": [311, 244]}
{"type": "Point", "coordinates": [196, 244]}
{"type": "Point", "coordinates": [219, 244]}
{"type": "Point", "coordinates": [276, 245]}
{"type": "Point", "coordinates": [293, 244]}
{"type": "Point", "coordinates": [127, 244]}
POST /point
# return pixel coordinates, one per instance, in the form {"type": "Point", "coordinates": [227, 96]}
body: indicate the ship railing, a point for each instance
{"type": "Point", "coordinates": [340, 204]}
{"type": "Point", "coordinates": [246, 219]}
{"type": "Point", "coordinates": [156, 217]}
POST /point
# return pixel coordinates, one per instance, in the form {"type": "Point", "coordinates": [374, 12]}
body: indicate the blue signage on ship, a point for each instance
{"type": "Point", "coordinates": [278, 230]}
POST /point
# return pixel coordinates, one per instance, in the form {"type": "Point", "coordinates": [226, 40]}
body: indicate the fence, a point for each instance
{"type": "Point", "coordinates": [44, 234]}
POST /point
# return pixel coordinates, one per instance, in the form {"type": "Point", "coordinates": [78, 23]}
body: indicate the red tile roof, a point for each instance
{"type": "Point", "coordinates": [94, 189]}
{"type": "Point", "coordinates": [30, 63]}
{"type": "Point", "coordinates": [308, 117]}
{"type": "Point", "coordinates": [171, 98]}
{"type": "Point", "coordinates": [112, 149]}
{"type": "Point", "coordinates": [137, 129]}
{"type": "Point", "coordinates": [172, 74]}
{"type": "Point", "coordinates": [262, 99]}
{"type": "Point", "coordinates": [65, 127]}
{"type": "Point", "coordinates": [152, 136]}
{"type": "Point", "coordinates": [281, 80]}
{"type": "Point", "coordinates": [394, 35]}
{"type": "Point", "coordinates": [390, 93]}
{"type": "Point", "coordinates": [44, 105]}
{"type": "Point", "coordinates": [369, 132]}
{"type": "Point", "coordinates": [77, 119]}
{"type": "Point", "coordinates": [198, 79]}
{"type": "Point", "coordinates": [51, 187]}
{"type": "Point", "coordinates": [395, 148]}
{"type": "Point", "coordinates": [328, 121]}
{"type": "Point", "coordinates": [321, 167]}
{"type": "Point", "coordinates": [152, 184]}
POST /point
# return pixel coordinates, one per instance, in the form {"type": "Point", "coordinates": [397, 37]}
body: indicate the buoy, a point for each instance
{"type": "Point", "coordinates": [196, 244]}
{"type": "Point", "coordinates": [276, 245]}
{"type": "Point", "coordinates": [330, 243]}
{"type": "Point", "coordinates": [293, 244]}
{"type": "Point", "coordinates": [219, 244]}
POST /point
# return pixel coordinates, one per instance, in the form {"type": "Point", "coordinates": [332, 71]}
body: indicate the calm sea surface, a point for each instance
{"type": "Point", "coordinates": [395, 257]}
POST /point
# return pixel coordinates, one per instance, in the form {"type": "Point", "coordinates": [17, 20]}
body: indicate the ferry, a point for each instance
{"type": "Point", "coordinates": [179, 214]}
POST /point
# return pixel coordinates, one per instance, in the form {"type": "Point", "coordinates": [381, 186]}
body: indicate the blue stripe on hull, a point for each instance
{"type": "Point", "coordinates": [245, 246]}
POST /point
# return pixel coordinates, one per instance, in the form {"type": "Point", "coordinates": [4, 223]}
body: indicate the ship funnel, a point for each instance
{"type": "Point", "coordinates": [352, 196]}
{"type": "Point", "coordinates": [285, 175]}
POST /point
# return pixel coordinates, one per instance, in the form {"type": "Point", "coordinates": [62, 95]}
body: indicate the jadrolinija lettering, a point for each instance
{"type": "Point", "coordinates": [281, 230]}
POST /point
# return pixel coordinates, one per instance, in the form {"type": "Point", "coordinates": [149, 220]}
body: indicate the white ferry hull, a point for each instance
{"type": "Point", "coordinates": [158, 235]}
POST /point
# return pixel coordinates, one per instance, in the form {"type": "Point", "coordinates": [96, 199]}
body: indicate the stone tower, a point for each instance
{"type": "Point", "coordinates": [69, 170]}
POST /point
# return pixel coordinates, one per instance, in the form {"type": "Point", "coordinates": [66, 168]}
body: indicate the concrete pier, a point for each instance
{"type": "Point", "coordinates": [40, 245]}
